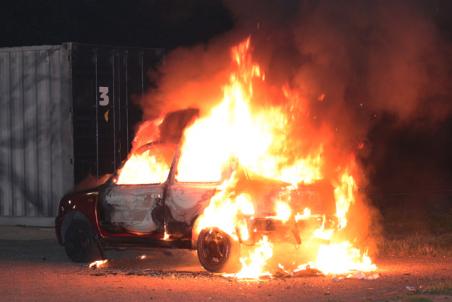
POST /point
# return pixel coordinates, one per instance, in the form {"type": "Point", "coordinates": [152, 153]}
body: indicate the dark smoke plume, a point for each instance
{"type": "Point", "coordinates": [360, 65]}
{"type": "Point", "coordinates": [367, 57]}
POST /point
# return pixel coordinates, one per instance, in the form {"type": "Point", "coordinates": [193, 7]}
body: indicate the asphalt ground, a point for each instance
{"type": "Point", "coordinates": [33, 267]}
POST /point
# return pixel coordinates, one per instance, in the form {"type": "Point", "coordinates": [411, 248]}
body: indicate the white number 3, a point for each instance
{"type": "Point", "coordinates": [104, 100]}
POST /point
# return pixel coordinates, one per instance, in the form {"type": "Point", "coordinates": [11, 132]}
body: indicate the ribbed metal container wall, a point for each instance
{"type": "Point", "coordinates": [66, 112]}
{"type": "Point", "coordinates": [35, 130]}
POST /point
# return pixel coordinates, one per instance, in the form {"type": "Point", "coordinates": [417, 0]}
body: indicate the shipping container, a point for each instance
{"type": "Point", "coordinates": [66, 112]}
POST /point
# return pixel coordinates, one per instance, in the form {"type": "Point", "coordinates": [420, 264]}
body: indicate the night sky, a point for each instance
{"type": "Point", "coordinates": [408, 167]}
{"type": "Point", "coordinates": [143, 23]}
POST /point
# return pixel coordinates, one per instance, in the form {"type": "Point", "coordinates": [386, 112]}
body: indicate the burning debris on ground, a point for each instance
{"type": "Point", "coordinates": [121, 267]}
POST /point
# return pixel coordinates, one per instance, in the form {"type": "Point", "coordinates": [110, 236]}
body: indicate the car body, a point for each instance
{"type": "Point", "coordinates": [164, 214]}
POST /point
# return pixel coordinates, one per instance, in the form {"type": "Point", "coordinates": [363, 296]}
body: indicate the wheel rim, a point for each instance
{"type": "Point", "coordinates": [215, 247]}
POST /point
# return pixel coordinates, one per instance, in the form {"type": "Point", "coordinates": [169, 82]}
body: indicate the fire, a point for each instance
{"type": "Point", "coordinates": [252, 139]}
{"type": "Point", "coordinates": [237, 137]}
{"type": "Point", "coordinates": [253, 266]}
{"type": "Point", "coordinates": [150, 164]}
{"type": "Point", "coordinates": [98, 264]}
{"type": "Point", "coordinates": [166, 236]}
{"type": "Point", "coordinates": [303, 216]}
{"type": "Point", "coordinates": [344, 194]}
{"type": "Point", "coordinates": [283, 211]}
{"type": "Point", "coordinates": [151, 170]}
{"type": "Point", "coordinates": [229, 208]}
{"type": "Point", "coordinates": [236, 132]}
{"type": "Point", "coordinates": [340, 258]}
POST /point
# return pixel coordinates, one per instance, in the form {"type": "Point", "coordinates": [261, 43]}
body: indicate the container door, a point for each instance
{"type": "Point", "coordinates": [107, 84]}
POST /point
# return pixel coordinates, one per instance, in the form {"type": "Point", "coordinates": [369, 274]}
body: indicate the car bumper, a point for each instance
{"type": "Point", "coordinates": [281, 231]}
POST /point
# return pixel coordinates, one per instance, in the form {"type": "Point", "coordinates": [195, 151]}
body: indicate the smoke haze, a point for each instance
{"type": "Point", "coordinates": [356, 66]}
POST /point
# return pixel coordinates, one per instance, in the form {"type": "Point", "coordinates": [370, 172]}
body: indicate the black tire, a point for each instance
{"type": "Point", "coordinates": [80, 244]}
{"type": "Point", "coordinates": [217, 251]}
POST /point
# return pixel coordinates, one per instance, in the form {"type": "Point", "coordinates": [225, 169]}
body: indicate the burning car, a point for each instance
{"type": "Point", "coordinates": [159, 210]}
{"type": "Point", "coordinates": [236, 183]}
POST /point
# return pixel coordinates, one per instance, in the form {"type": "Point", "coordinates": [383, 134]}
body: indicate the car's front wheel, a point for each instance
{"type": "Point", "coordinates": [217, 251]}
{"type": "Point", "coordinates": [80, 244]}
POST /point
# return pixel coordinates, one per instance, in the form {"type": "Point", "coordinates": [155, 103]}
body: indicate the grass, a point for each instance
{"type": "Point", "coordinates": [427, 293]}
{"type": "Point", "coordinates": [427, 235]}
{"type": "Point", "coordinates": [417, 245]}
{"type": "Point", "coordinates": [422, 295]}
{"type": "Point", "coordinates": [440, 288]}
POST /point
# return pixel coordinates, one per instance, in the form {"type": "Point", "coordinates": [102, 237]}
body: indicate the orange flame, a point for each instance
{"type": "Point", "coordinates": [341, 258]}
{"type": "Point", "coordinates": [253, 265]}
{"type": "Point", "coordinates": [237, 135]}
{"type": "Point", "coordinates": [252, 138]}
{"type": "Point", "coordinates": [237, 132]}
{"type": "Point", "coordinates": [143, 169]}
{"type": "Point", "coordinates": [98, 264]}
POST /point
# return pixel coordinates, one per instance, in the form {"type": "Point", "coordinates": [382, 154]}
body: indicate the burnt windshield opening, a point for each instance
{"type": "Point", "coordinates": [150, 164]}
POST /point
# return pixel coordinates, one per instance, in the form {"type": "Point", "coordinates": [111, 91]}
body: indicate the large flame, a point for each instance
{"type": "Point", "coordinates": [234, 131]}
{"type": "Point", "coordinates": [151, 170]}
{"type": "Point", "coordinates": [238, 137]}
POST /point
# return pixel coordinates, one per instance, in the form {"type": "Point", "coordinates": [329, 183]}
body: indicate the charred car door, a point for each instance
{"type": "Point", "coordinates": [185, 201]}
{"type": "Point", "coordinates": [132, 208]}
{"type": "Point", "coordinates": [133, 203]}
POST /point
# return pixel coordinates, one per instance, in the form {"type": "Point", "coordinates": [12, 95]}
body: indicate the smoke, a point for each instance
{"type": "Point", "coordinates": [367, 58]}
{"type": "Point", "coordinates": [351, 63]}
{"type": "Point", "coordinates": [189, 78]}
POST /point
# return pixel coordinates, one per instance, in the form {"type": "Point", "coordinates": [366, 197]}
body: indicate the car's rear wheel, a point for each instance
{"type": "Point", "coordinates": [217, 251]}
{"type": "Point", "coordinates": [80, 244]}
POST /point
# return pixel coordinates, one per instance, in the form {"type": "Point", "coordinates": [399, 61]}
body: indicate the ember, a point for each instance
{"type": "Point", "coordinates": [98, 264]}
